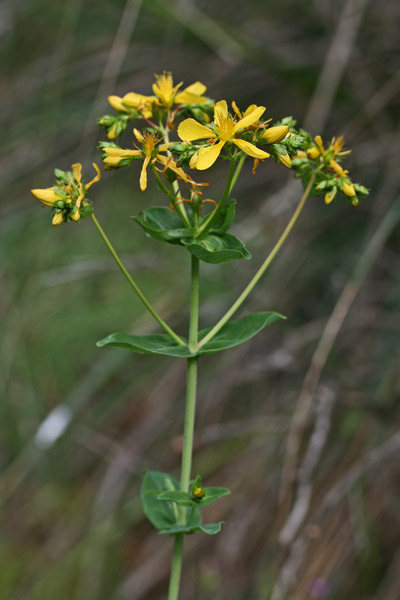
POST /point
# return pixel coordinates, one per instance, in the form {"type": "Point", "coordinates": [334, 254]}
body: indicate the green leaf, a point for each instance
{"type": "Point", "coordinates": [179, 497]}
{"type": "Point", "coordinates": [232, 334]}
{"type": "Point", "coordinates": [146, 344]}
{"type": "Point", "coordinates": [209, 528]}
{"type": "Point", "coordinates": [237, 332]}
{"type": "Point", "coordinates": [161, 514]}
{"type": "Point", "coordinates": [224, 219]}
{"type": "Point", "coordinates": [162, 224]}
{"type": "Point", "coordinates": [211, 495]}
{"type": "Point", "coordinates": [215, 249]}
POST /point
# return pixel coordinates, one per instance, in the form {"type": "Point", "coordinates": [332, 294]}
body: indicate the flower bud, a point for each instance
{"type": "Point", "coordinates": [58, 218]}
{"type": "Point", "coordinates": [275, 134]}
{"type": "Point", "coordinates": [285, 160]}
{"type": "Point", "coordinates": [198, 493]}
{"type": "Point", "coordinates": [348, 189]}
{"type": "Point", "coordinates": [116, 103]}
{"type": "Point", "coordinates": [313, 152]}
{"type": "Point", "coordinates": [329, 196]}
{"type": "Point", "coordinates": [75, 216]}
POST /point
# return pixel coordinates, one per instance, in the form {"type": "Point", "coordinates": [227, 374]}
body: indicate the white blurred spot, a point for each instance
{"type": "Point", "coordinates": [53, 427]}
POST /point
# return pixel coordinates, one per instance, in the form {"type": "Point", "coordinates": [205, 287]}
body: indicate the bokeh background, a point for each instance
{"type": "Point", "coordinates": [302, 422]}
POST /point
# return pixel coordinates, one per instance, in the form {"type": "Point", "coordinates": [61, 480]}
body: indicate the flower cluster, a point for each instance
{"type": "Point", "coordinates": [325, 163]}
{"type": "Point", "coordinates": [165, 95]}
{"type": "Point", "coordinates": [68, 195]}
{"type": "Point", "coordinates": [203, 138]}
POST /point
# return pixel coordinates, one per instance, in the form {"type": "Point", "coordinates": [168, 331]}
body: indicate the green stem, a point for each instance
{"type": "Point", "coordinates": [205, 226]}
{"type": "Point", "coordinates": [180, 208]}
{"type": "Point", "coordinates": [237, 172]}
{"type": "Point", "coordinates": [131, 282]}
{"type": "Point", "coordinates": [261, 270]}
{"type": "Point", "coordinates": [176, 567]}
{"type": "Point", "coordinates": [190, 410]}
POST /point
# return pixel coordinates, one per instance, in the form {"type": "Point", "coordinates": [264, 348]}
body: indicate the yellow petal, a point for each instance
{"type": "Point", "coordinates": [301, 154]}
{"type": "Point", "coordinates": [318, 141]}
{"type": "Point", "coordinates": [135, 100]}
{"type": "Point", "coordinates": [275, 134]}
{"type": "Point", "coordinates": [164, 147]}
{"type": "Point", "coordinates": [236, 109]}
{"type": "Point", "coordinates": [348, 189]}
{"type": "Point", "coordinates": [138, 135]}
{"type": "Point", "coordinates": [112, 161]}
{"type": "Point", "coordinates": [116, 103]}
{"type": "Point", "coordinates": [77, 171]}
{"type": "Point", "coordinates": [252, 118]}
{"type": "Point", "coordinates": [193, 160]}
{"type": "Point", "coordinates": [250, 149]}
{"type": "Point", "coordinates": [46, 196]}
{"type": "Point", "coordinates": [285, 160]}
{"type": "Point", "coordinates": [169, 162]}
{"type": "Point", "coordinates": [220, 112]}
{"type": "Point", "coordinates": [207, 156]}
{"type": "Point", "coordinates": [58, 219]}
{"type": "Point", "coordinates": [250, 109]}
{"type": "Point", "coordinates": [143, 174]}
{"type": "Point", "coordinates": [95, 178]}
{"type": "Point", "coordinates": [190, 130]}
{"type": "Point", "coordinates": [121, 152]}
{"type": "Point", "coordinates": [196, 88]}
{"type": "Point", "coordinates": [337, 167]}
{"type": "Point", "coordinates": [186, 97]}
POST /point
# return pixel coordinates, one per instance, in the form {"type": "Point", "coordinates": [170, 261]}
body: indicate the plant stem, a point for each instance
{"type": "Point", "coordinates": [261, 270]}
{"type": "Point", "coordinates": [228, 187]}
{"type": "Point", "coordinates": [180, 208]}
{"type": "Point", "coordinates": [190, 410]}
{"type": "Point", "coordinates": [237, 172]}
{"type": "Point", "coordinates": [131, 282]}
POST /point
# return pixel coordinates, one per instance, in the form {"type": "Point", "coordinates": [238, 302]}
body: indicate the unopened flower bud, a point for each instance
{"type": "Point", "coordinates": [313, 152]}
{"type": "Point", "coordinates": [198, 493]}
{"type": "Point", "coordinates": [75, 216]}
{"type": "Point", "coordinates": [285, 160]}
{"type": "Point", "coordinates": [275, 134]}
{"type": "Point", "coordinates": [58, 218]}
{"type": "Point", "coordinates": [348, 189]}
{"type": "Point", "coordinates": [329, 196]}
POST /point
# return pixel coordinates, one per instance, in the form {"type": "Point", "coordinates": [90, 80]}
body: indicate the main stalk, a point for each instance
{"type": "Point", "coordinates": [190, 410]}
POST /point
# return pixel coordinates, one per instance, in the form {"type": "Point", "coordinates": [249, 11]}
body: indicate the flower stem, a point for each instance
{"type": "Point", "coordinates": [180, 208]}
{"type": "Point", "coordinates": [131, 282]}
{"type": "Point", "coordinates": [237, 171]}
{"type": "Point", "coordinates": [205, 226]}
{"type": "Point", "coordinates": [261, 270]}
{"type": "Point", "coordinates": [190, 410]}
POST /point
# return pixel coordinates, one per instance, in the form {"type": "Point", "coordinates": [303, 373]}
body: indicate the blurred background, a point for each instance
{"type": "Point", "coordinates": [301, 423]}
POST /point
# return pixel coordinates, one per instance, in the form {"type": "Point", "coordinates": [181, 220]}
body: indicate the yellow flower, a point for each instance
{"type": "Point", "coordinates": [168, 95]}
{"type": "Point", "coordinates": [336, 146]}
{"type": "Point", "coordinates": [165, 94]}
{"type": "Point", "coordinates": [223, 130]}
{"type": "Point", "coordinates": [151, 152]}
